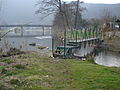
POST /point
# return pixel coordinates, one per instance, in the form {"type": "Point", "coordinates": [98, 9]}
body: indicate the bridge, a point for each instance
{"type": "Point", "coordinates": [43, 27]}
{"type": "Point", "coordinates": [25, 25]}
{"type": "Point", "coordinates": [75, 39]}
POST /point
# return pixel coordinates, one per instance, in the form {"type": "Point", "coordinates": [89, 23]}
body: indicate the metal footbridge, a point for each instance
{"type": "Point", "coordinates": [89, 37]}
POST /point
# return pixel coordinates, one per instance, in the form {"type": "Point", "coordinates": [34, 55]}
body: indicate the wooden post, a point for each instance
{"type": "Point", "coordinates": [93, 32]}
{"type": "Point", "coordinates": [96, 31]}
{"type": "Point", "coordinates": [22, 31]}
{"type": "Point", "coordinates": [43, 30]}
{"type": "Point", "coordinates": [50, 31]}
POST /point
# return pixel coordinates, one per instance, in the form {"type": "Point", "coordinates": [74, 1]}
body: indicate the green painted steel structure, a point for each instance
{"type": "Point", "coordinates": [74, 39]}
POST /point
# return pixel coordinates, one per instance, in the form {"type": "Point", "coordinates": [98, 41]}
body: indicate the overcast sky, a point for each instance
{"type": "Point", "coordinates": [99, 1]}
{"type": "Point", "coordinates": [23, 11]}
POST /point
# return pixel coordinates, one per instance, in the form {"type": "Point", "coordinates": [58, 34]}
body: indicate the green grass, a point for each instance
{"type": "Point", "coordinates": [45, 73]}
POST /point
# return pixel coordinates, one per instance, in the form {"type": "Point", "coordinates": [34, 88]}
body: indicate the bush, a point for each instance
{"type": "Point", "coordinates": [2, 67]}
{"type": "Point", "coordinates": [3, 71]}
{"type": "Point", "coordinates": [2, 87]}
{"type": "Point", "coordinates": [8, 61]}
{"type": "Point", "coordinates": [7, 72]}
{"type": "Point", "coordinates": [14, 81]}
{"type": "Point", "coordinates": [19, 66]}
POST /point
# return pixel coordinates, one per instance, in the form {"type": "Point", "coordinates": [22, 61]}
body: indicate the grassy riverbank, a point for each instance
{"type": "Point", "coordinates": [32, 71]}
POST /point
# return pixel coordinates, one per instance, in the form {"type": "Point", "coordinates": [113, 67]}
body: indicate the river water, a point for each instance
{"type": "Point", "coordinates": [14, 40]}
{"type": "Point", "coordinates": [102, 57]}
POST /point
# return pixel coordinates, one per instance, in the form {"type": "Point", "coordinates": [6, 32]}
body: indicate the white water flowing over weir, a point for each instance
{"type": "Point", "coordinates": [44, 37]}
{"type": "Point", "coordinates": [110, 59]}
{"type": "Point", "coordinates": [83, 51]}
{"type": "Point", "coordinates": [105, 58]}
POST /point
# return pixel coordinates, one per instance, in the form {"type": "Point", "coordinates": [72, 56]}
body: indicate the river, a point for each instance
{"type": "Point", "coordinates": [14, 40]}
{"type": "Point", "coordinates": [102, 57]}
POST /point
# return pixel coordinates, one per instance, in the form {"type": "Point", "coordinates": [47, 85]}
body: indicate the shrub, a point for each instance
{"type": "Point", "coordinates": [14, 81]}
{"type": "Point", "coordinates": [19, 66]}
{"type": "Point", "coordinates": [8, 61]}
{"type": "Point", "coordinates": [2, 67]}
{"type": "Point", "coordinates": [7, 72]}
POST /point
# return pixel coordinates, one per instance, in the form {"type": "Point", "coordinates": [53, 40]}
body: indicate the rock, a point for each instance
{"type": "Point", "coordinates": [32, 44]}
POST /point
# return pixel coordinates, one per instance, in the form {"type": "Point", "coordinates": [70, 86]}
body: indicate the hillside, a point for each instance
{"type": "Point", "coordinates": [96, 10]}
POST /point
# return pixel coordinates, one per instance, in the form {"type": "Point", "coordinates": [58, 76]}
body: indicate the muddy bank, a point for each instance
{"type": "Point", "coordinates": [11, 52]}
{"type": "Point", "coordinates": [111, 47]}
{"type": "Point", "coordinates": [112, 44]}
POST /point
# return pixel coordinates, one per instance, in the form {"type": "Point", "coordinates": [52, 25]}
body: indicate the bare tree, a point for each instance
{"type": "Point", "coordinates": [65, 17]}
{"type": "Point", "coordinates": [106, 16]}
{"type": "Point", "coordinates": [48, 7]}
{"type": "Point", "coordinates": [62, 10]}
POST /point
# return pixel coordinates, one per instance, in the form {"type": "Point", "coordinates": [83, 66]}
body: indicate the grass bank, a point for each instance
{"type": "Point", "coordinates": [32, 71]}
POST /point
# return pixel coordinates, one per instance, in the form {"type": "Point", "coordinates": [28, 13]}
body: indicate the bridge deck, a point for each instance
{"type": "Point", "coordinates": [26, 25]}
{"type": "Point", "coordinates": [67, 47]}
{"type": "Point", "coordinates": [84, 40]}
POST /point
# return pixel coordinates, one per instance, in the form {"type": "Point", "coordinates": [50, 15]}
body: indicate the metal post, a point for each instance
{"type": "Point", "coordinates": [76, 36]}
{"type": "Point", "coordinates": [52, 44]}
{"type": "Point", "coordinates": [85, 34]}
{"type": "Point", "coordinates": [65, 44]}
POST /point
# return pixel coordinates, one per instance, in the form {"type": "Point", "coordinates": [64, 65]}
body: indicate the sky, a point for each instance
{"type": "Point", "coordinates": [23, 11]}
{"type": "Point", "coordinates": [99, 1]}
